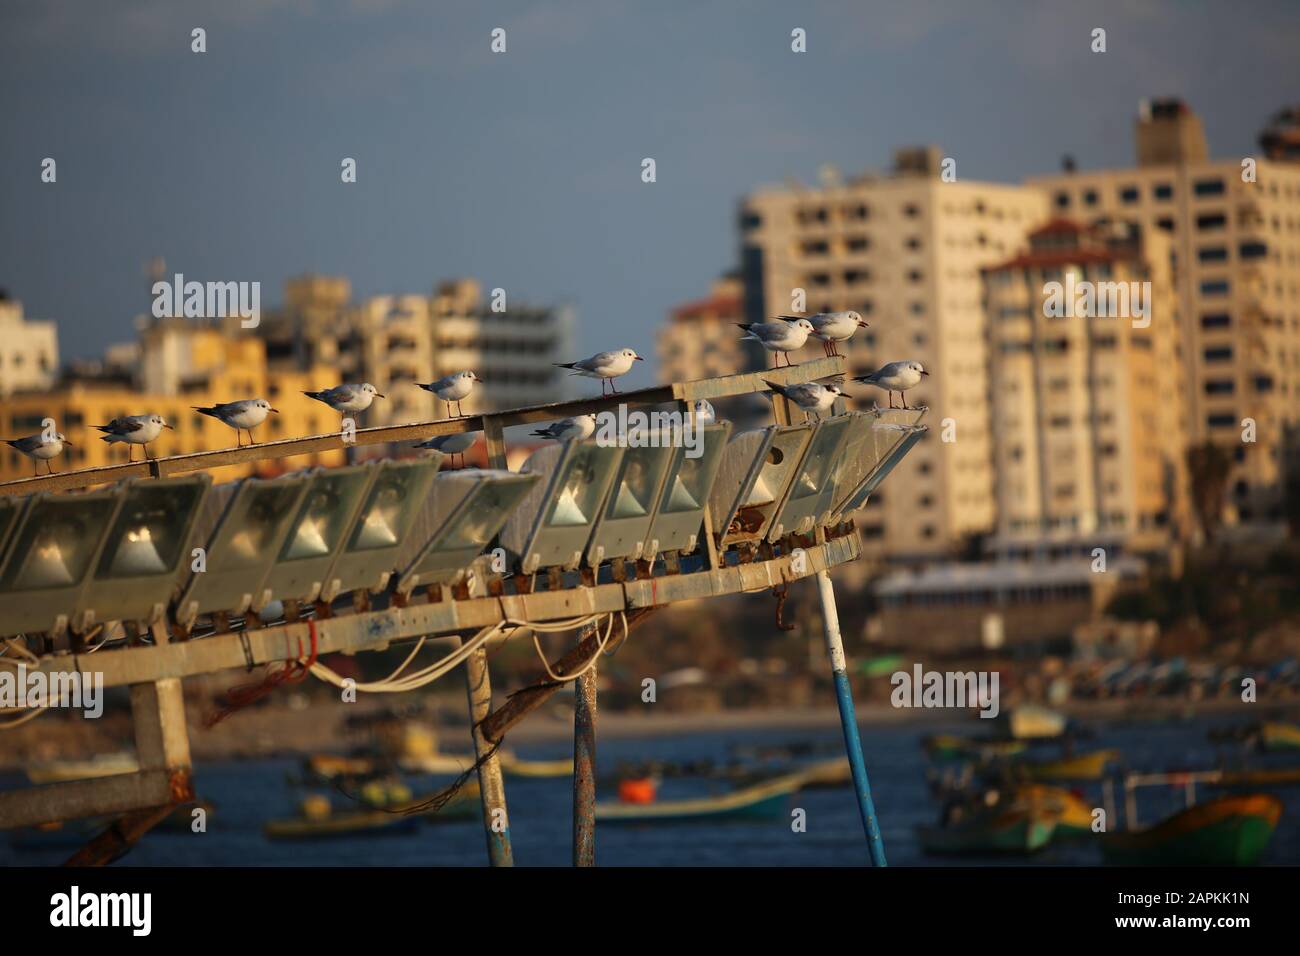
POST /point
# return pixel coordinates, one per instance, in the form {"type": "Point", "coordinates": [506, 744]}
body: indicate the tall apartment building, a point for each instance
{"type": "Point", "coordinates": [29, 350]}
{"type": "Point", "coordinates": [701, 338]}
{"type": "Point", "coordinates": [905, 250]}
{"type": "Point", "coordinates": [511, 350]}
{"type": "Point", "coordinates": [1235, 227]}
{"type": "Point", "coordinates": [1086, 388]}
{"type": "Point", "coordinates": [216, 367]}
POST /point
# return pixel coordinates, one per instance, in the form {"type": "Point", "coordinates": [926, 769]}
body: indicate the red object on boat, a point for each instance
{"type": "Point", "coordinates": [637, 791]}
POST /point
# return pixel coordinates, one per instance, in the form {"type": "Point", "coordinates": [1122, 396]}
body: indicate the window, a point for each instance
{"type": "Point", "coordinates": [1062, 200]}
{"type": "Point", "coordinates": [1221, 420]}
{"type": "Point", "coordinates": [1128, 195]}
{"type": "Point", "coordinates": [857, 243]}
{"type": "Point", "coordinates": [1165, 223]}
{"type": "Point", "coordinates": [1263, 383]}
{"type": "Point", "coordinates": [1220, 386]}
{"type": "Point", "coordinates": [1222, 353]}
{"type": "Point", "coordinates": [815, 248]}
{"type": "Point", "coordinates": [1214, 287]}
{"type": "Point", "coordinates": [750, 220]}
{"type": "Point", "coordinates": [1213, 254]}
{"type": "Point", "coordinates": [1253, 249]}
{"type": "Point", "coordinates": [1208, 187]}
{"type": "Point", "coordinates": [1164, 191]}
{"type": "Point", "coordinates": [1211, 220]}
{"type": "Point", "coordinates": [1216, 320]}
{"type": "Point", "coordinates": [911, 210]}
{"type": "Point", "coordinates": [1090, 197]}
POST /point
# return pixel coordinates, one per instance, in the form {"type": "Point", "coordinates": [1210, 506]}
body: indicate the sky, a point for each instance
{"type": "Point", "coordinates": [523, 169]}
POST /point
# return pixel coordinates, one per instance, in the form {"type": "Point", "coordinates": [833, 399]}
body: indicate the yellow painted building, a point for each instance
{"type": "Point", "coordinates": [189, 366]}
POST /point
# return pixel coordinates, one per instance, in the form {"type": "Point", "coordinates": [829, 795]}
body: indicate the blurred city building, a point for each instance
{"type": "Point", "coordinates": [905, 250]}
{"type": "Point", "coordinates": [29, 350]}
{"type": "Point", "coordinates": [1089, 427]}
{"type": "Point", "coordinates": [1235, 227]}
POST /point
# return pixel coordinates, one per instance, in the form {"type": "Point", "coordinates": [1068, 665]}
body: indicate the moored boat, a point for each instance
{"type": "Point", "coordinates": [1229, 831]}
{"type": "Point", "coordinates": [761, 801]}
{"type": "Point", "coordinates": [1090, 766]}
{"type": "Point", "coordinates": [1012, 830]}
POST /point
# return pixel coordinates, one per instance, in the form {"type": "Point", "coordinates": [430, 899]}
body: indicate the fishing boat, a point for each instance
{"type": "Point", "coordinates": [1071, 815]}
{"type": "Point", "coordinates": [763, 801]}
{"type": "Point", "coordinates": [515, 767]}
{"type": "Point", "coordinates": [318, 820]}
{"type": "Point", "coordinates": [953, 747]}
{"type": "Point", "coordinates": [1229, 831]}
{"type": "Point", "coordinates": [1090, 766]}
{"type": "Point", "coordinates": [101, 765]}
{"type": "Point", "coordinates": [1000, 831]}
{"type": "Point", "coordinates": [1279, 736]}
{"type": "Point", "coordinates": [1279, 777]}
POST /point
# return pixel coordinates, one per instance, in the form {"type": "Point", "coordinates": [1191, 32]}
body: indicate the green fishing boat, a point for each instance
{"type": "Point", "coordinates": [1229, 831]}
{"type": "Point", "coordinates": [1011, 831]}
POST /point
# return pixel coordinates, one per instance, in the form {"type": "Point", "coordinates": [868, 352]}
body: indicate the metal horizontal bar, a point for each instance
{"type": "Point", "coordinates": [417, 431]}
{"type": "Point", "coordinates": [348, 633]}
{"type": "Point", "coordinates": [119, 793]}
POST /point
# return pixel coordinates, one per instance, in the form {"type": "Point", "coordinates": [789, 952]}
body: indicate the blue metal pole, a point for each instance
{"type": "Point", "coordinates": [848, 718]}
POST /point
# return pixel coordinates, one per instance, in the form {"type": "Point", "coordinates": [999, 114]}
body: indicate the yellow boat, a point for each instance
{"type": "Point", "coordinates": [1279, 736]}
{"type": "Point", "coordinates": [1091, 766]}
{"type": "Point", "coordinates": [515, 767]}
{"type": "Point", "coordinates": [1069, 813]}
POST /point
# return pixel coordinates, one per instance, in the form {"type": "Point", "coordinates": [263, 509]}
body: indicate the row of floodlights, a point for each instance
{"type": "Point", "coordinates": [143, 548]}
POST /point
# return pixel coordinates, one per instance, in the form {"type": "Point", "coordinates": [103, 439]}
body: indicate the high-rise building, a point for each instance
{"type": "Point", "coordinates": [1086, 391]}
{"type": "Point", "coordinates": [701, 338]}
{"type": "Point", "coordinates": [905, 250]}
{"type": "Point", "coordinates": [29, 350]}
{"type": "Point", "coordinates": [1235, 227]}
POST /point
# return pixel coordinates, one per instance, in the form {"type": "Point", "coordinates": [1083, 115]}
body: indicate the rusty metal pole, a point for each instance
{"type": "Point", "coordinates": [584, 769]}
{"type": "Point", "coordinates": [492, 788]}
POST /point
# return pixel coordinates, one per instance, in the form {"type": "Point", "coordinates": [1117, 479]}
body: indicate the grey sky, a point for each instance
{"type": "Point", "coordinates": [523, 169]}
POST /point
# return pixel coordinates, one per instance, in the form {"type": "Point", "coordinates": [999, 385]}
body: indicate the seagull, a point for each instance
{"type": "Point", "coordinates": [605, 366]}
{"type": "Point", "coordinates": [810, 396]}
{"type": "Point", "coordinates": [779, 337]}
{"type": "Point", "coordinates": [347, 398]}
{"type": "Point", "coordinates": [569, 429]}
{"type": "Point", "coordinates": [449, 445]}
{"type": "Point", "coordinates": [134, 430]}
{"type": "Point", "coordinates": [832, 327]}
{"type": "Point", "coordinates": [895, 377]}
{"type": "Point", "coordinates": [40, 449]}
{"type": "Point", "coordinates": [453, 388]}
{"type": "Point", "coordinates": [244, 415]}
{"type": "Point", "coordinates": [704, 413]}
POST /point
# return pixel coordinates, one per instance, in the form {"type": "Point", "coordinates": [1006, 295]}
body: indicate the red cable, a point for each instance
{"type": "Point", "coordinates": [294, 671]}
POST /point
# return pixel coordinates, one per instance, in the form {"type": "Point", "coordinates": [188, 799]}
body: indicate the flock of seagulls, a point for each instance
{"type": "Point", "coordinates": [782, 337]}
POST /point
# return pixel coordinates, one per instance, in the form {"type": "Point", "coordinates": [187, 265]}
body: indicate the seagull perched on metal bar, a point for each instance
{"type": "Point", "coordinates": [450, 445]}
{"type": "Point", "coordinates": [40, 449]}
{"type": "Point", "coordinates": [347, 398]}
{"type": "Point", "coordinates": [605, 366]}
{"type": "Point", "coordinates": [781, 338]}
{"type": "Point", "coordinates": [895, 377]}
{"type": "Point", "coordinates": [704, 412]}
{"type": "Point", "coordinates": [452, 388]}
{"type": "Point", "coordinates": [244, 415]}
{"type": "Point", "coordinates": [134, 430]}
{"type": "Point", "coordinates": [832, 327]}
{"type": "Point", "coordinates": [569, 429]}
{"type": "Point", "coordinates": [810, 396]}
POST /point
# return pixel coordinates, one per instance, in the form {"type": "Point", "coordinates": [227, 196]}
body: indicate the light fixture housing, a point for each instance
{"type": "Point", "coordinates": [466, 510]}
{"type": "Point", "coordinates": [553, 527]}
{"type": "Point", "coordinates": [685, 495]}
{"type": "Point", "coordinates": [11, 513]}
{"type": "Point", "coordinates": [898, 442]}
{"type": "Point", "coordinates": [384, 522]}
{"type": "Point", "coordinates": [808, 497]}
{"type": "Point", "coordinates": [623, 529]}
{"type": "Point", "coordinates": [755, 473]}
{"type": "Point", "coordinates": [318, 531]}
{"type": "Point", "coordinates": [53, 547]}
{"type": "Point", "coordinates": [241, 539]}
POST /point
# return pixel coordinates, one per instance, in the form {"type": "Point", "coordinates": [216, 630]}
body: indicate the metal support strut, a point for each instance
{"type": "Point", "coordinates": [492, 789]}
{"type": "Point", "coordinates": [584, 770]}
{"type": "Point", "coordinates": [848, 718]}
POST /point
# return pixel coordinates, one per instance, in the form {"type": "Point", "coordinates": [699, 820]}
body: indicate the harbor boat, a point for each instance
{"type": "Point", "coordinates": [1279, 777]}
{"type": "Point", "coordinates": [332, 766]}
{"type": "Point", "coordinates": [762, 801]}
{"type": "Point", "coordinates": [1229, 831]}
{"type": "Point", "coordinates": [515, 767]}
{"type": "Point", "coordinates": [1278, 736]}
{"type": "Point", "coordinates": [101, 765]}
{"type": "Point", "coordinates": [1000, 831]}
{"type": "Point", "coordinates": [953, 747]}
{"type": "Point", "coordinates": [1090, 766]}
{"type": "Point", "coordinates": [1031, 722]}
{"type": "Point", "coordinates": [318, 820]}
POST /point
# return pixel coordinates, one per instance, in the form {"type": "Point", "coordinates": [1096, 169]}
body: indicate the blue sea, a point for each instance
{"type": "Point", "coordinates": [245, 795]}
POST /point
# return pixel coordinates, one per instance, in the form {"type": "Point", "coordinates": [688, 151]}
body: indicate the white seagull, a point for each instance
{"type": "Point", "coordinates": [452, 388]}
{"type": "Point", "coordinates": [243, 415]}
{"type": "Point", "coordinates": [781, 338]}
{"type": "Point", "coordinates": [810, 396]}
{"type": "Point", "coordinates": [449, 445]}
{"type": "Point", "coordinates": [704, 412]}
{"type": "Point", "coordinates": [569, 429]}
{"type": "Point", "coordinates": [832, 327]}
{"type": "Point", "coordinates": [134, 430]}
{"type": "Point", "coordinates": [347, 398]}
{"type": "Point", "coordinates": [605, 366]}
{"type": "Point", "coordinates": [895, 377]}
{"type": "Point", "coordinates": [39, 449]}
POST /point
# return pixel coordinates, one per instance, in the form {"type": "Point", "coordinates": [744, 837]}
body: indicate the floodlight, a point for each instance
{"type": "Point", "coordinates": [808, 498]}
{"type": "Point", "coordinates": [756, 470]}
{"type": "Point", "coordinates": [241, 537]}
{"type": "Point", "coordinates": [143, 553]}
{"type": "Point", "coordinates": [465, 512]}
{"type": "Point", "coordinates": [317, 532]}
{"type": "Point", "coordinates": [624, 525]}
{"type": "Point", "coordinates": [11, 511]}
{"type": "Point", "coordinates": [53, 546]}
{"type": "Point", "coordinates": [889, 429]}
{"type": "Point", "coordinates": [576, 479]}
{"type": "Point", "coordinates": [903, 437]}
{"type": "Point", "coordinates": [382, 525]}
{"type": "Point", "coordinates": [685, 495]}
